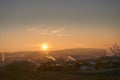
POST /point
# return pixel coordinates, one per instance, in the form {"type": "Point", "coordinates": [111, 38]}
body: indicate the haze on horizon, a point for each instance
{"type": "Point", "coordinates": [62, 24]}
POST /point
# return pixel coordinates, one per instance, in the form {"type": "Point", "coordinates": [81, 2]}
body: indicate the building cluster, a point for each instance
{"type": "Point", "coordinates": [68, 64]}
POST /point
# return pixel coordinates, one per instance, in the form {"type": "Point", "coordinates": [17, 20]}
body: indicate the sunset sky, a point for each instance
{"type": "Point", "coordinates": [27, 24]}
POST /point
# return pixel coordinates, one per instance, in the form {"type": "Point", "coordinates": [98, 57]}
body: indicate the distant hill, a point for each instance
{"type": "Point", "coordinates": [77, 53]}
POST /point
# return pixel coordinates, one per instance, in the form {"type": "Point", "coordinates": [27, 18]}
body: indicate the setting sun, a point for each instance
{"type": "Point", "coordinates": [44, 46]}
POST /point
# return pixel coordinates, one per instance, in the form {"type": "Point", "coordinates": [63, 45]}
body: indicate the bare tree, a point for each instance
{"type": "Point", "coordinates": [115, 50]}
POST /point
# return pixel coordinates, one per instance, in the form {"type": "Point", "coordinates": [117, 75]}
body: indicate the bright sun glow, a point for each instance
{"type": "Point", "coordinates": [44, 46]}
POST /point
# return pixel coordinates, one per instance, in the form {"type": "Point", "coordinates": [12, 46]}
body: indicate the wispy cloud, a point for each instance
{"type": "Point", "coordinates": [2, 35]}
{"type": "Point", "coordinates": [48, 31]}
{"type": "Point", "coordinates": [55, 31]}
{"type": "Point", "coordinates": [33, 29]}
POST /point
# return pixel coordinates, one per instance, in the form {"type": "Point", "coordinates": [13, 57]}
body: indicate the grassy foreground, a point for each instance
{"type": "Point", "coordinates": [111, 74]}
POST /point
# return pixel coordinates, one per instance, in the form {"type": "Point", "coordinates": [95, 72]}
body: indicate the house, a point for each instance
{"type": "Point", "coordinates": [108, 62]}
{"type": "Point", "coordinates": [83, 68]}
{"type": "Point", "coordinates": [92, 63]}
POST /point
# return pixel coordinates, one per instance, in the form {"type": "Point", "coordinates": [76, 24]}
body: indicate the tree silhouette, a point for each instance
{"type": "Point", "coordinates": [115, 50]}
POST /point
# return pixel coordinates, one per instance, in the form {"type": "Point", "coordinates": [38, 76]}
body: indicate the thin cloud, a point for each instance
{"type": "Point", "coordinates": [57, 30]}
{"type": "Point", "coordinates": [33, 29]}
{"type": "Point", "coordinates": [47, 31]}
{"type": "Point", "coordinates": [2, 35]}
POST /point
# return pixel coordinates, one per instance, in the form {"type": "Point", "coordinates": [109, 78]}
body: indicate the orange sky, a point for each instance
{"type": "Point", "coordinates": [25, 25]}
{"type": "Point", "coordinates": [31, 38]}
